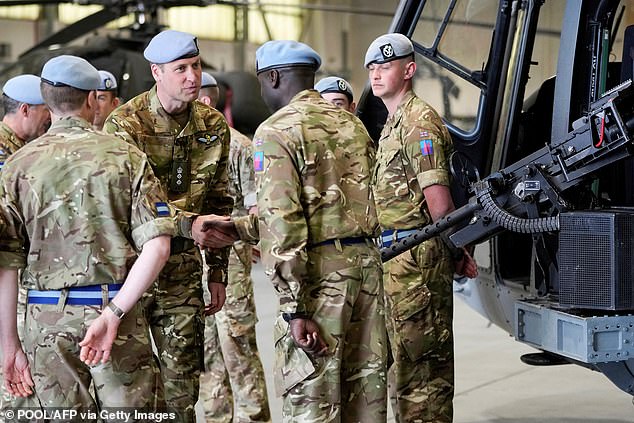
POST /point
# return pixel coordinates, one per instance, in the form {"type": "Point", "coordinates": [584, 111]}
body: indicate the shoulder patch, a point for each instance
{"type": "Point", "coordinates": [258, 161]}
{"type": "Point", "coordinates": [427, 147]}
{"type": "Point", "coordinates": [162, 210]}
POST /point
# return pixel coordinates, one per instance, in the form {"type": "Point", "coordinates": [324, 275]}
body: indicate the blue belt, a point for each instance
{"type": "Point", "coordinates": [391, 236]}
{"type": "Point", "coordinates": [345, 241]}
{"type": "Point", "coordinates": [77, 295]}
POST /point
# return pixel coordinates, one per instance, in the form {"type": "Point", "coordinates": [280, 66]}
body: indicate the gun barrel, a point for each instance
{"type": "Point", "coordinates": [423, 234]}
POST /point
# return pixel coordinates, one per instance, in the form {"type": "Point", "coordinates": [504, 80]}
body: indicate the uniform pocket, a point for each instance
{"type": "Point", "coordinates": [292, 364]}
{"type": "Point", "coordinates": [419, 329]}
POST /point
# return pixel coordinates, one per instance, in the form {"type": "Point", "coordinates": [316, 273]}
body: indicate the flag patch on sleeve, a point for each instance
{"type": "Point", "coordinates": [258, 161]}
{"type": "Point", "coordinates": [162, 209]}
{"type": "Point", "coordinates": [426, 147]}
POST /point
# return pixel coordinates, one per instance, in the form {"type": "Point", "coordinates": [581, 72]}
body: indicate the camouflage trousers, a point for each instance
{"type": "Point", "coordinates": [419, 306]}
{"type": "Point", "coordinates": [345, 298]}
{"type": "Point", "coordinates": [6, 399]}
{"type": "Point", "coordinates": [51, 341]}
{"type": "Point", "coordinates": [233, 375]}
{"type": "Point", "coordinates": [174, 311]}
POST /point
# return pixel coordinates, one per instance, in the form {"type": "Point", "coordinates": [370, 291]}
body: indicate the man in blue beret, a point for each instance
{"type": "Point", "coordinates": [107, 99]}
{"type": "Point", "coordinates": [312, 162]}
{"type": "Point", "coordinates": [90, 232]}
{"type": "Point", "coordinates": [337, 91]}
{"type": "Point", "coordinates": [188, 145]}
{"type": "Point", "coordinates": [411, 185]}
{"type": "Point", "coordinates": [26, 117]}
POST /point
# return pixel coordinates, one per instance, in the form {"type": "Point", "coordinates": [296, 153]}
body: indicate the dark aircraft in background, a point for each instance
{"type": "Point", "coordinates": [122, 54]}
{"type": "Point", "coordinates": [537, 95]}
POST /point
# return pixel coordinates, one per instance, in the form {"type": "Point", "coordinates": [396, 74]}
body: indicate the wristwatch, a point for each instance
{"type": "Point", "coordinates": [116, 310]}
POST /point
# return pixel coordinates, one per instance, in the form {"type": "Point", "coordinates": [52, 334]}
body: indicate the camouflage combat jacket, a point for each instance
{"type": "Point", "coordinates": [79, 205]}
{"type": "Point", "coordinates": [190, 162]}
{"type": "Point", "coordinates": [241, 174]}
{"type": "Point", "coordinates": [9, 143]}
{"type": "Point", "coordinates": [413, 154]}
{"type": "Point", "coordinates": [313, 164]}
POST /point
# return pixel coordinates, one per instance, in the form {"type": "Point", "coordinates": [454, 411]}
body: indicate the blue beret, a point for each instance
{"type": "Point", "coordinates": [71, 71]}
{"type": "Point", "coordinates": [108, 81]}
{"type": "Point", "coordinates": [388, 47]}
{"type": "Point", "coordinates": [24, 88]}
{"type": "Point", "coordinates": [334, 84]}
{"type": "Point", "coordinates": [282, 54]}
{"type": "Point", "coordinates": [208, 81]}
{"type": "Point", "coordinates": [171, 45]}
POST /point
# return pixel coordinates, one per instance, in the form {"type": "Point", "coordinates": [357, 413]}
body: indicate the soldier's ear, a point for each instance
{"type": "Point", "coordinates": [410, 70]}
{"type": "Point", "coordinates": [274, 78]}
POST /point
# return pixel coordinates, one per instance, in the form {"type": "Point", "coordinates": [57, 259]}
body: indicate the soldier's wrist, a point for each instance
{"type": "Point", "coordinates": [185, 225]}
{"type": "Point", "coordinates": [292, 316]}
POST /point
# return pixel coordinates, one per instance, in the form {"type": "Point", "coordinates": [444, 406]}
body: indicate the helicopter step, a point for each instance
{"type": "Point", "coordinates": [588, 339]}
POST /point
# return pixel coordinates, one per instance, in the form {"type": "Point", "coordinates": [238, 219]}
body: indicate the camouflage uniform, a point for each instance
{"type": "Point", "coordinates": [233, 370]}
{"type": "Point", "coordinates": [191, 163]}
{"type": "Point", "coordinates": [313, 164]}
{"type": "Point", "coordinates": [9, 144]}
{"type": "Point", "coordinates": [84, 232]}
{"type": "Point", "coordinates": [412, 155]}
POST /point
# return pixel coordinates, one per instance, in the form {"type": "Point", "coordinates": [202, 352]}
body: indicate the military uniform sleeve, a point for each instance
{"type": "Point", "coordinates": [425, 147]}
{"type": "Point", "coordinates": [121, 128]}
{"type": "Point", "coordinates": [283, 227]}
{"type": "Point", "coordinates": [248, 228]}
{"type": "Point", "coordinates": [152, 216]}
{"type": "Point", "coordinates": [12, 230]}
{"type": "Point", "coordinates": [247, 177]}
{"type": "Point", "coordinates": [218, 201]}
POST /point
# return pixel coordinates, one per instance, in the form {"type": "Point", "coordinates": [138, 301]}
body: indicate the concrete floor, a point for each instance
{"type": "Point", "coordinates": [492, 384]}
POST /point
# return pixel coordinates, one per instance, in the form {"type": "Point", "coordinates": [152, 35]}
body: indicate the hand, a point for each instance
{"type": "Point", "coordinates": [467, 266]}
{"type": "Point", "coordinates": [100, 336]}
{"type": "Point", "coordinates": [212, 231]}
{"type": "Point", "coordinates": [305, 333]}
{"type": "Point", "coordinates": [256, 254]}
{"type": "Point", "coordinates": [218, 295]}
{"type": "Point", "coordinates": [17, 375]}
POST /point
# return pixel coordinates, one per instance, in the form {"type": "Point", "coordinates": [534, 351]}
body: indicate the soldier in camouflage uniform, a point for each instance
{"type": "Point", "coordinates": [79, 207]}
{"type": "Point", "coordinates": [26, 118]}
{"type": "Point", "coordinates": [233, 370]}
{"type": "Point", "coordinates": [187, 144]}
{"type": "Point", "coordinates": [337, 91]}
{"type": "Point", "coordinates": [313, 162]}
{"type": "Point", "coordinates": [411, 188]}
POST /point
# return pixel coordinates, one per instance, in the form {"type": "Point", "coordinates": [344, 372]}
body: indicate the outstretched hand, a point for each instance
{"type": "Point", "coordinates": [212, 231]}
{"type": "Point", "coordinates": [306, 334]}
{"type": "Point", "coordinates": [97, 344]}
{"type": "Point", "coordinates": [17, 375]}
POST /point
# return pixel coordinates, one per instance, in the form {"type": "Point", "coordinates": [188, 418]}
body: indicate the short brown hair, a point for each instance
{"type": "Point", "coordinates": [63, 99]}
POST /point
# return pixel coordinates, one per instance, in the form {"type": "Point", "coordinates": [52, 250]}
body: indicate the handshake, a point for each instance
{"type": "Point", "coordinates": [213, 231]}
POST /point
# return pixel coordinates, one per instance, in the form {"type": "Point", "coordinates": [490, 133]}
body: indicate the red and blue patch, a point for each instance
{"type": "Point", "coordinates": [258, 161]}
{"type": "Point", "coordinates": [427, 147]}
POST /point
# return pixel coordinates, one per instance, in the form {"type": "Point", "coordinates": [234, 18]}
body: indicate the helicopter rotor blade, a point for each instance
{"type": "Point", "coordinates": [82, 26]}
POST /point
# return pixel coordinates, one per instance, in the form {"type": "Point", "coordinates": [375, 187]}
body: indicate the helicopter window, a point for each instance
{"type": "Point", "coordinates": [458, 34]}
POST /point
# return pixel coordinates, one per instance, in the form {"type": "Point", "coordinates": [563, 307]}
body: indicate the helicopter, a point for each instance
{"type": "Point", "coordinates": [537, 95]}
{"type": "Point", "coordinates": [121, 54]}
